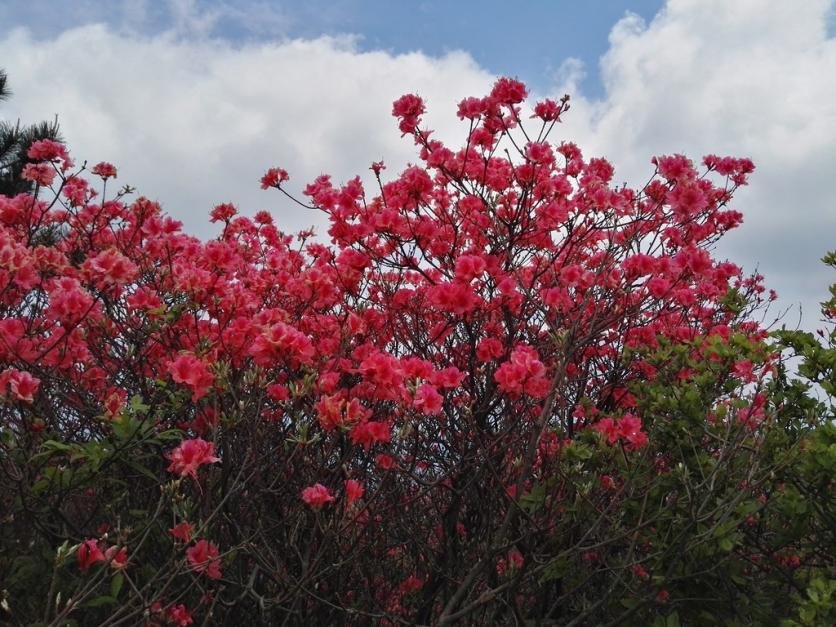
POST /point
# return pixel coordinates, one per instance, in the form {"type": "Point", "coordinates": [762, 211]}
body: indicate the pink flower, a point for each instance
{"type": "Point", "coordinates": [190, 455]}
{"type": "Point", "coordinates": [104, 170]}
{"type": "Point", "coordinates": [316, 496]}
{"type": "Point", "coordinates": [369, 433]}
{"type": "Point", "coordinates": [223, 212]}
{"type": "Point", "coordinates": [182, 531]}
{"type": "Point", "coordinates": [468, 267]}
{"type": "Point", "coordinates": [19, 384]}
{"type": "Point", "coordinates": [274, 177]}
{"type": "Point", "coordinates": [674, 167]}
{"type": "Point", "coordinates": [638, 265]}
{"type": "Point", "coordinates": [88, 554]}
{"type": "Point", "coordinates": [450, 377]}
{"type": "Point", "coordinates": [408, 105]}
{"type": "Point", "coordinates": [179, 615]}
{"type": "Point", "coordinates": [471, 108]}
{"type": "Point", "coordinates": [629, 428]}
{"type": "Point", "coordinates": [488, 349]}
{"type": "Point", "coordinates": [744, 369]}
{"type": "Point", "coordinates": [608, 428]}
{"type": "Point", "coordinates": [118, 557]}
{"type": "Point", "coordinates": [203, 558]}
{"type": "Point", "coordinates": [191, 371]}
{"type": "Point", "coordinates": [547, 110]}
{"type": "Point", "coordinates": [68, 300]}
{"type": "Point", "coordinates": [508, 91]}
{"type": "Point", "coordinates": [384, 461]}
{"type": "Point", "coordinates": [353, 490]}
{"type": "Point", "coordinates": [457, 297]}
{"type": "Point", "coordinates": [49, 150]}
{"type": "Point", "coordinates": [427, 399]}
{"type": "Point", "coordinates": [280, 341]}
{"type": "Point", "coordinates": [512, 562]}
{"type": "Point", "coordinates": [40, 173]}
{"type": "Point", "coordinates": [75, 190]}
{"type": "Point", "coordinates": [408, 109]}
{"type": "Point", "coordinates": [112, 266]}
{"type": "Point", "coordinates": [523, 373]}
{"type": "Point", "coordinates": [383, 370]}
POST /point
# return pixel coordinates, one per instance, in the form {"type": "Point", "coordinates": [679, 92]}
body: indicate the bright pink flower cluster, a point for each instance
{"type": "Point", "coordinates": [18, 385]}
{"type": "Point", "coordinates": [190, 455]}
{"type": "Point", "coordinates": [191, 371]}
{"type": "Point", "coordinates": [203, 558]}
{"type": "Point", "coordinates": [523, 373]}
{"type": "Point", "coordinates": [104, 170]}
{"type": "Point", "coordinates": [628, 428]}
{"type": "Point", "coordinates": [468, 320]}
{"type": "Point", "coordinates": [317, 496]}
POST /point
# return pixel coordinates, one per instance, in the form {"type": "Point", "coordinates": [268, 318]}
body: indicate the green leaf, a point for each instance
{"type": "Point", "coordinates": [116, 584]}
{"type": "Point", "coordinates": [55, 445]}
{"type": "Point", "coordinates": [557, 569]}
{"type": "Point", "coordinates": [100, 601]}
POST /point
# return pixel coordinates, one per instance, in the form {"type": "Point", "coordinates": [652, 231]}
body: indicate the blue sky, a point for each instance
{"type": "Point", "coordinates": [527, 39]}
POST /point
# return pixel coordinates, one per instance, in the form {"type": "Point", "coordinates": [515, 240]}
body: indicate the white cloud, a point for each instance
{"type": "Point", "coordinates": [194, 121]}
{"type": "Point", "coordinates": [748, 78]}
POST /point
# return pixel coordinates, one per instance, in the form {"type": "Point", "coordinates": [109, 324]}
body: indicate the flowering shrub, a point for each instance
{"type": "Point", "coordinates": [508, 390]}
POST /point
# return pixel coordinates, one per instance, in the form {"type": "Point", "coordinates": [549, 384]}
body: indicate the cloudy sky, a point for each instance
{"type": "Point", "coordinates": [193, 100]}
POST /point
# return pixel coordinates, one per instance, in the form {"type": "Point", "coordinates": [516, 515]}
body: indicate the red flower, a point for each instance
{"type": "Point", "coordinates": [223, 212]}
{"type": "Point", "coordinates": [203, 558]}
{"type": "Point", "coordinates": [427, 399]}
{"type": "Point", "coordinates": [279, 341]}
{"type": "Point", "coordinates": [608, 428]}
{"type": "Point", "coordinates": [40, 173]}
{"type": "Point", "coordinates": [179, 615]}
{"type": "Point", "coordinates": [547, 110]}
{"type": "Point", "coordinates": [508, 91]}
{"type": "Point", "coordinates": [274, 177]}
{"type": "Point", "coordinates": [523, 373]}
{"type": "Point", "coordinates": [190, 455]}
{"type": "Point", "coordinates": [639, 572]}
{"type": "Point", "coordinates": [88, 554]}
{"type": "Point", "coordinates": [607, 482]}
{"type": "Point", "coordinates": [408, 109]}
{"type": "Point", "coordinates": [118, 557]}
{"type": "Point", "coordinates": [384, 461]}
{"type": "Point", "coordinates": [112, 266]}
{"type": "Point", "coordinates": [316, 496]}
{"type": "Point", "coordinates": [629, 428]}
{"type": "Point", "coordinates": [471, 108]}
{"type": "Point", "coordinates": [353, 490]}
{"type": "Point", "coordinates": [368, 433]}
{"type": "Point", "coordinates": [469, 267]}
{"type": "Point", "coordinates": [19, 384]}
{"type": "Point", "coordinates": [191, 371]}
{"type": "Point", "coordinates": [49, 150]}
{"type": "Point", "coordinates": [104, 169]}
{"type": "Point", "coordinates": [457, 298]}
{"type": "Point", "coordinates": [182, 531]}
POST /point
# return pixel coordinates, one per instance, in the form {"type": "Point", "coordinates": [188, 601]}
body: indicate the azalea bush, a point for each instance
{"type": "Point", "coordinates": [507, 390]}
